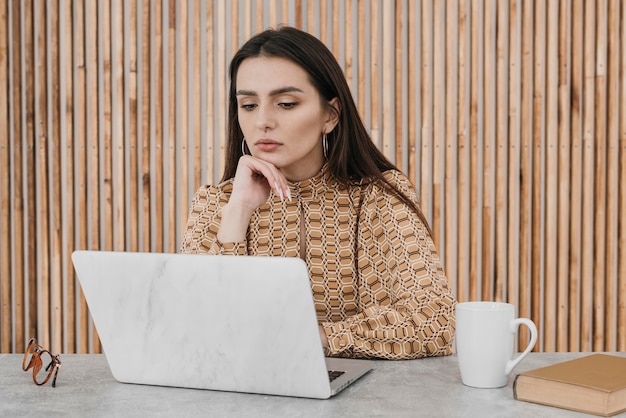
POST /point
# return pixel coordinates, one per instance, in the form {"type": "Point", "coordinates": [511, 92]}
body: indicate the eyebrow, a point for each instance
{"type": "Point", "coordinates": [275, 92]}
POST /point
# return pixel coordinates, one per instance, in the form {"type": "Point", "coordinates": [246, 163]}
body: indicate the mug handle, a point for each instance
{"type": "Point", "coordinates": [510, 365]}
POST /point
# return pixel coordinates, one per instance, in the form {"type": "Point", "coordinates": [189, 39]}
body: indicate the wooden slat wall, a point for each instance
{"type": "Point", "coordinates": [508, 116]}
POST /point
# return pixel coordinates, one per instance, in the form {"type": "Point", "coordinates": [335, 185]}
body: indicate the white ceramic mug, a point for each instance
{"type": "Point", "coordinates": [485, 335]}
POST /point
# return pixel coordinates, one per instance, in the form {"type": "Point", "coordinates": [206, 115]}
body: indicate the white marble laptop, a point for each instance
{"type": "Point", "coordinates": [231, 323]}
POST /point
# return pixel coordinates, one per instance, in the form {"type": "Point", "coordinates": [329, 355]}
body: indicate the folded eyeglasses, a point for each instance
{"type": "Point", "coordinates": [34, 357]}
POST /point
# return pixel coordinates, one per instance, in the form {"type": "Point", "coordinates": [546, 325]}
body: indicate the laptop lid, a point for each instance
{"type": "Point", "coordinates": [244, 324]}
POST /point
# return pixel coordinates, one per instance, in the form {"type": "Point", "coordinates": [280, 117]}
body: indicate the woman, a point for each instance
{"type": "Point", "coordinates": [304, 179]}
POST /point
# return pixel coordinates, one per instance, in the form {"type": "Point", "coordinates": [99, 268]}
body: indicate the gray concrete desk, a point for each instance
{"type": "Point", "coordinates": [419, 388]}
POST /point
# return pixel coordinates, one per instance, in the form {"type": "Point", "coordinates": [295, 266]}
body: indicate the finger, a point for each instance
{"type": "Point", "coordinates": [274, 177]}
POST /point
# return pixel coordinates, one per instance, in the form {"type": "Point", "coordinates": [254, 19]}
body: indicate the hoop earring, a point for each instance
{"type": "Point", "coordinates": [325, 144]}
{"type": "Point", "coordinates": [243, 147]}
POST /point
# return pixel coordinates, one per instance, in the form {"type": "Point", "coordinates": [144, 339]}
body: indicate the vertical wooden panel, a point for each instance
{"type": "Point", "coordinates": [588, 88]}
{"type": "Point", "coordinates": [612, 153]}
{"type": "Point", "coordinates": [147, 29]}
{"type": "Point", "coordinates": [6, 303]}
{"type": "Point", "coordinates": [18, 262]}
{"type": "Point", "coordinates": [501, 115]}
{"type": "Point", "coordinates": [118, 139]}
{"type": "Point", "coordinates": [575, 200]}
{"type": "Point", "coordinates": [157, 84]}
{"type": "Point", "coordinates": [177, 135]}
{"type": "Point", "coordinates": [526, 119]}
{"type": "Point", "coordinates": [463, 152]}
{"type": "Point", "coordinates": [563, 179]}
{"type": "Point", "coordinates": [450, 149]}
{"type": "Point", "coordinates": [475, 109]}
{"type": "Point", "coordinates": [438, 120]}
{"type": "Point", "coordinates": [599, 187]}
{"type": "Point", "coordinates": [513, 143]}
{"type": "Point", "coordinates": [197, 136]}
{"type": "Point", "coordinates": [551, 178]}
{"type": "Point", "coordinates": [81, 179]}
{"type": "Point", "coordinates": [486, 169]}
{"type": "Point", "coordinates": [132, 122]}
{"type": "Point", "coordinates": [374, 86]}
{"type": "Point", "coordinates": [621, 245]}
{"type": "Point", "coordinates": [30, 145]}
{"type": "Point", "coordinates": [210, 93]}
{"type": "Point", "coordinates": [68, 305]}
{"type": "Point", "coordinates": [538, 109]}
{"type": "Point", "coordinates": [507, 115]}
{"type": "Point", "coordinates": [43, 133]}
{"type": "Point", "coordinates": [93, 131]}
{"type": "Point", "coordinates": [412, 87]}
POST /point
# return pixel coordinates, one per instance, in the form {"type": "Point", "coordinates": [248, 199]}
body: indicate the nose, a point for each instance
{"type": "Point", "coordinates": [266, 118]}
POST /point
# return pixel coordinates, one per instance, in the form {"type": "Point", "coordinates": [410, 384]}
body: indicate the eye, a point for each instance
{"type": "Point", "coordinates": [247, 106]}
{"type": "Point", "coordinates": [288, 105]}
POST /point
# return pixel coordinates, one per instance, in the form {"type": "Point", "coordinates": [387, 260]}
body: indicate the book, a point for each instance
{"type": "Point", "coordinates": [594, 384]}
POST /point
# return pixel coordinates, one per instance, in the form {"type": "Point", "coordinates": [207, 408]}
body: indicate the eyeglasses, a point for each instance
{"type": "Point", "coordinates": [34, 356]}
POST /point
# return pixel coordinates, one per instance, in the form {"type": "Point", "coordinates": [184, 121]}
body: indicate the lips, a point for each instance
{"type": "Point", "coordinates": [267, 144]}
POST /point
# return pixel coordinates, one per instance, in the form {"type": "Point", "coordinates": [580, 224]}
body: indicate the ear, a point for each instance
{"type": "Point", "coordinates": [334, 110]}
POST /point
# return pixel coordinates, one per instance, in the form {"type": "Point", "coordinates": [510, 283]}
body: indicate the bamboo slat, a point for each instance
{"type": "Point", "coordinates": [132, 123]}
{"type": "Point", "coordinates": [537, 161]}
{"type": "Point", "coordinates": [475, 109]}
{"type": "Point", "coordinates": [157, 84]}
{"type": "Point", "coordinates": [43, 133]}
{"type": "Point", "coordinates": [513, 143]}
{"type": "Point", "coordinates": [388, 85]}
{"type": "Point", "coordinates": [563, 180]}
{"type": "Point", "coordinates": [621, 245]}
{"type": "Point", "coordinates": [145, 216]}
{"type": "Point", "coordinates": [526, 120]}
{"type": "Point", "coordinates": [463, 151]}
{"type": "Point", "coordinates": [177, 111]}
{"type": "Point", "coordinates": [575, 200]}
{"type": "Point", "coordinates": [438, 122]}
{"type": "Point", "coordinates": [450, 149]}
{"type": "Point", "coordinates": [612, 164]}
{"type": "Point", "coordinates": [501, 116]}
{"type": "Point", "coordinates": [487, 167]}
{"type": "Point", "coordinates": [68, 304]}
{"type": "Point", "coordinates": [94, 128]}
{"type": "Point", "coordinates": [374, 85]}
{"type": "Point", "coordinates": [18, 263]}
{"type": "Point", "coordinates": [588, 127]}
{"type": "Point", "coordinates": [118, 139]}
{"type": "Point", "coordinates": [412, 91]}
{"type": "Point", "coordinates": [396, 130]}
{"type": "Point", "coordinates": [426, 100]}
{"type": "Point", "coordinates": [30, 144]}
{"type": "Point", "coordinates": [197, 136]}
{"type": "Point", "coordinates": [6, 317]}
{"type": "Point", "coordinates": [551, 176]}
{"type": "Point", "coordinates": [81, 179]}
{"type": "Point", "coordinates": [210, 93]}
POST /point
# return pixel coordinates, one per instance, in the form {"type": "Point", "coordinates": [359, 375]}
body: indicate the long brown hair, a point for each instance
{"type": "Point", "coordinates": [352, 155]}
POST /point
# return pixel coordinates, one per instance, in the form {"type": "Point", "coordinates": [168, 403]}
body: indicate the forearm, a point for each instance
{"type": "Point", "coordinates": [382, 332]}
{"type": "Point", "coordinates": [234, 223]}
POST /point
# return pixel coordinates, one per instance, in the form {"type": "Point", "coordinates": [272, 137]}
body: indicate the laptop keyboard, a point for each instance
{"type": "Point", "coordinates": [333, 374]}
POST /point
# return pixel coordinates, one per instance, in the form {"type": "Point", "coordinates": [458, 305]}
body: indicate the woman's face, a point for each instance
{"type": "Point", "coordinates": [281, 115]}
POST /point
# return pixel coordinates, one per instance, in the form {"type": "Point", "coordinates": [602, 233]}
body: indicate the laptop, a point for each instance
{"type": "Point", "coordinates": [228, 323]}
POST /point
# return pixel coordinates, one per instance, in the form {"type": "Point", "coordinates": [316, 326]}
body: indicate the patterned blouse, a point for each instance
{"type": "Point", "coordinates": [377, 282]}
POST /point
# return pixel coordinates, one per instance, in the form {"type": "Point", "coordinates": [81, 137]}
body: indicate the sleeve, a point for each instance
{"type": "Point", "coordinates": [408, 308]}
{"type": "Point", "coordinates": [203, 223]}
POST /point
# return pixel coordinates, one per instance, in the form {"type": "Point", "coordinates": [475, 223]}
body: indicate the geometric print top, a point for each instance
{"type": "Point", "coordinates": [378, 284]}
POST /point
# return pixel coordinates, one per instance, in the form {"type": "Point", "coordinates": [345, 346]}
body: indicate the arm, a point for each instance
{"type": "Point", "coordinates": [408, 308]}
{"type": "Point", "coordinates": [219, 216]}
